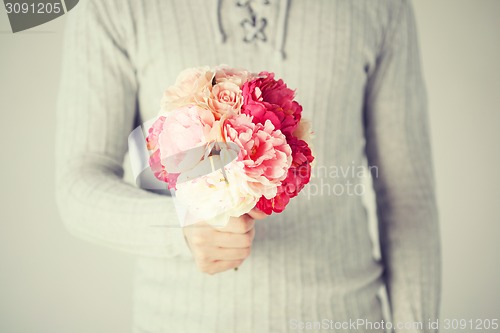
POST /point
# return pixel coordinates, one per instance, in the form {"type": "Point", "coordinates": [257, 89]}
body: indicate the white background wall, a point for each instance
{"type": "Point", "coordinates": [51, 282]}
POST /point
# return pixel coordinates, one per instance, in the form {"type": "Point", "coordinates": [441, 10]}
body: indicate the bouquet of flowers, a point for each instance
{"type": "Point", "coordinates": [226, 141]}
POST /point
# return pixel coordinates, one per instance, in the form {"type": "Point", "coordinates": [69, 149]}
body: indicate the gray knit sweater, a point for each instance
{"type": "Point", "coordinates": [355, 65]}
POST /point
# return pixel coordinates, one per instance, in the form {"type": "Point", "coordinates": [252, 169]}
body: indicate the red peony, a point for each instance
{"type": "Point", "coordinates": [276, 204]}
{"type": "Point", "coordinates": [266, 98]}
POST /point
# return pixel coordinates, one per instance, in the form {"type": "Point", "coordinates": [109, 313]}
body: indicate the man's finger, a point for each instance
{"type": "Point", "coordinates": [222, 265]}
{"type": "Point", "coordinates": [234, 240]}
{"type": "Point", "coordinates": [230, 254]}
{"type": "Point", "coordinates": [238, 225]}
{"type": "Point", "coordinates": [257, 214]}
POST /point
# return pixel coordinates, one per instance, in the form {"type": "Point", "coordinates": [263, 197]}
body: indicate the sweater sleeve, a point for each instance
{"type": "Point", "coordinates": [397, 145]}
{"type": "Point", "coordinates": [96, 111]}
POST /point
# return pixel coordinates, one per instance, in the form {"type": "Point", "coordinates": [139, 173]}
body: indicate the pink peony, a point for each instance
{"type": "Point", "coordinates": [160, 172]}
{"type": "Point", "coordinates": [298, 176]}
{"type": "Point", "coordinates": [157, 167]}
{"type": "Point", "coordinates": [154, 132]}
{"type": "Point", "coordinates": [265, 98]}
{"type": "Point", "coordinates": [185, 128]}
{"type": "Point", "coordinates": [155, 162]}
{"type": "Point", "coordinates": [264, 152]}
{"type": "Point", "coordinates": [181, 130]}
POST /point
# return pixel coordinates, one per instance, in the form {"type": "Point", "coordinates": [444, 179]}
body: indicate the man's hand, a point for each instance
{"type": "Point", "coordinates": [217, 250]}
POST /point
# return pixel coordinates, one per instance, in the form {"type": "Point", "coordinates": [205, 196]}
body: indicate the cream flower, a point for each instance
{"type": "Point", "coordinates": [191, 87]}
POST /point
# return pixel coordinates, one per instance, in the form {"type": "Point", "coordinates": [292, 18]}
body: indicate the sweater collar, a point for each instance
{"type": "Point", "coordinates": [254, 26]}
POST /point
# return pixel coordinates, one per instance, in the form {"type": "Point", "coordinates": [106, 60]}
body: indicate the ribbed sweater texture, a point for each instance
{"type": "Point", "coordinates": [356, 69]}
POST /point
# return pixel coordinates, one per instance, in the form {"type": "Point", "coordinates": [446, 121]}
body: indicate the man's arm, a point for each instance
{"type": "Point", "coordinates": [398, 145]}
{"type": "Point", "coordinates": [96, 111]}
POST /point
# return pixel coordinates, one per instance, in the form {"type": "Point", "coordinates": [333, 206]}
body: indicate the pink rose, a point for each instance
{"type": "Point", "coordinates": [191, 87]}
{"type": "Point", "coordinates": [264, 152]}
{"type": "Point", "coordinates": [225, 99]}
{"type": "Point", "coordinates": [265, 98]}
